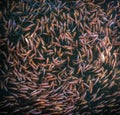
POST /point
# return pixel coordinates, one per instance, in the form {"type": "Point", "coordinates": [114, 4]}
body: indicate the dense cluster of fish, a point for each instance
{"type": "Point", "coordinates": [59, 57]}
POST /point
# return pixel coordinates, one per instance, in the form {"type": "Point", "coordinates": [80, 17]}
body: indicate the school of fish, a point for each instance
{"type": "Point", "coordinates": [59, 57]}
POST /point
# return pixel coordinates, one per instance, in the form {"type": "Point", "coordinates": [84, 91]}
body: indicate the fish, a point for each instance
{"type": "Point", "coordinates": [90, 86]}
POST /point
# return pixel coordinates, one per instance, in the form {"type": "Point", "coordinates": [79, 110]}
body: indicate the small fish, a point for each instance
{"type": "Point", "coordinates": [102, 57]}
{"type": "Point", "coordinates": [90, 86]}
